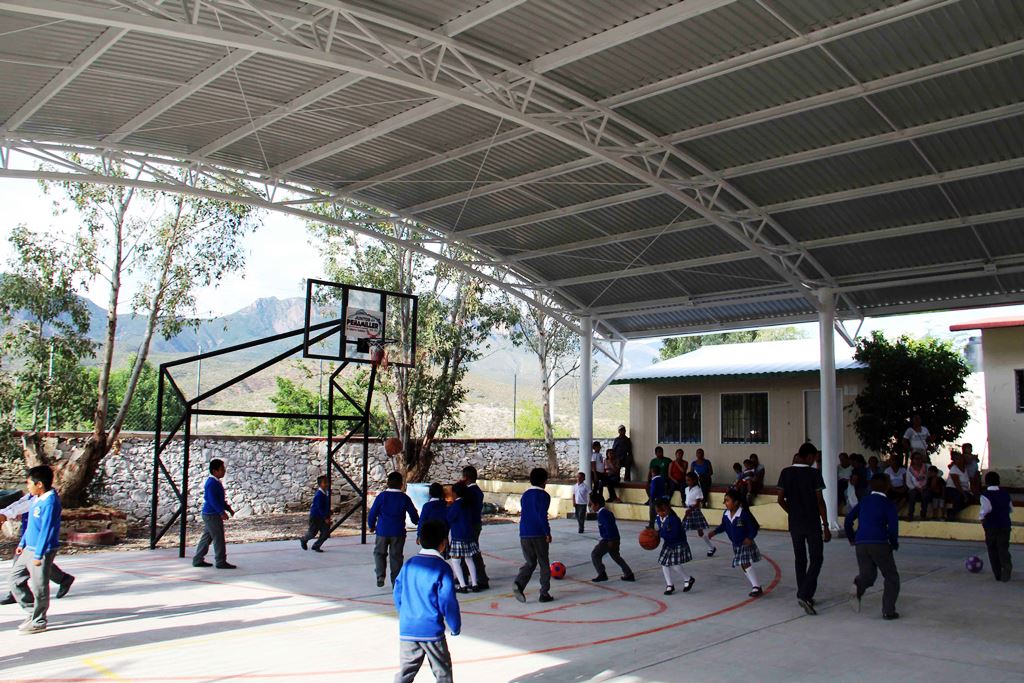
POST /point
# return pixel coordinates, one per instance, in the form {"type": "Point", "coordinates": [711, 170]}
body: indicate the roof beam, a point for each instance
{"type": "Point", "coordinates": [465, 22]}
{"type": "Point", "coordinates": [69, 73]}
{"type": "Point", "coordinates": [654, 269]}
{"type": "Point", "coordinates": [899, 80]}
{"type": "Point", "coordinates": [615, 238]}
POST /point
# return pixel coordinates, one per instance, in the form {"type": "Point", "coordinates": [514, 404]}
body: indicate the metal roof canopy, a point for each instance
{"type": "Point", "coordinates": [662, 168]}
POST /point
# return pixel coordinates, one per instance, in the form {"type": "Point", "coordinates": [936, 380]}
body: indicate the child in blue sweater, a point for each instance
{"type": "Point", "coordinates": [30, 577]}
{"type": "Point", "coordinates": [434, 508]}
{"type": "Point", "coordinates": [20, 508]}
{"type": "Point", "coordinates": [876, 539]}
{"type": "Point", "coordinates": [741, 528]}
{"type": "Point", "coordinates": [476, 495]}
{"type": "Point", "coordinates": [215, 512]}
{"type": "Point", "coordinates": [425, 599]}
{"type": "Point", "coordinates": [609, 543]}
{"type": "Point", "coordinates": [534, 536]}
{"type": "Point", "coordinates": [387, 520]}
{"type": "Point", "coordinates": [319, 516]}
{"type": "Point", "coordinates": [462, 546]}
{"type": "Point", "coordinates": [675, 551]}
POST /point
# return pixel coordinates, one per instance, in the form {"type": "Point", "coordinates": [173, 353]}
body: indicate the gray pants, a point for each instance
{"type": "Point", "coordinates": [535, 551]}
{"type": "Point", "coordinates": [871, 559]}
{"type": "Point", "coordinates": [213, 531]}
{"type": "Point", "coordinates": [411, 654]}
{"type": "Point", "coordinates": [388, 548]}
{"type": "Point", "coordinates": [30, 585]}
{"type": "Point", "coordinates": [318, 527]}
{"type": "Point", "coordinates": [57, 575]}
{"type": "Point", "coordinates": [610, 548]}
{"type": "Point", "coordinates": [998, 543]}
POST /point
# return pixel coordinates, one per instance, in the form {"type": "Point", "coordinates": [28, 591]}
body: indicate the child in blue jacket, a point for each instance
{"type": "Point", "coordinates": [609, 543]}
{"type": "Point", "coordinates": [387, 520]}
{"type": "Point", "coordinates": [319, 516]}
{"type": "Point", "coordinates": [434, 508]}
{"type": "Point", "coordinates": [462, 545]}
{"type": "Point", "coordinates": [534, 536]}
{"type": "Point", "coordinates": [425, 599]}
{"type": "Point", "coordinates": [876, 538]}
{"type": "Point", "coordinates": [741, 528]}
{"type": "Point", "coordinates": [20, 508]}
{"type": "Point", "coordinates": [30, 577]}
{"type": "Point", "coordinates": [215, 512]}
{"type": "Point", "coordinates": [675, 551]}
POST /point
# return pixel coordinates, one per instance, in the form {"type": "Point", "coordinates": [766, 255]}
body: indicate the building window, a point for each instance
{"type": "Point", "coordinates": [745, 418]}
{"type": "Point", "coordinates": [1020, 390]}
{"type": "Point", "coordinates": [679, 419]}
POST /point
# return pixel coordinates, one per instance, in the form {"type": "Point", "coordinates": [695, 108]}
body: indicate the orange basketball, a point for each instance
{"type": "Point", "coordinates": [649, 539]}
{"type": "Point", "coordinates": [393, 446]}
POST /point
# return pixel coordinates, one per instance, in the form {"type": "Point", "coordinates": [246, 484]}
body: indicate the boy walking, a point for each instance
{"type": "Point", "coordinates": [580, 499]}
{"type": "Point", "coordinates": [30, 577]}
{"type": "Point", "coordinates": [535, 536]}
{"type": "Point", "coordinates": [215, 513]}
{"type": "Point", "coordinates": [425, 599]}
{"type": "Point", "coordinates": [387, 520]}
{"type": "Point", "coordinates": [609, 543]}
{"type": "Point", "coordinates": [476, 495]}
{"type": "Point", "coordinates": [876, 539]}
{"type": "Point", "coordinates": [996, 508]}
{"type": "Point", "coordinates": [801, 496]}
{"type": "Point", "coordinates": [319, 516]}
{"type": "Point", "coordinates": [20, 508]}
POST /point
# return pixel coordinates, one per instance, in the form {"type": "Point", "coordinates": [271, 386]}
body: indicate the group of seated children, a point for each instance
{"type": "Point", "coordinates": [749, 476]}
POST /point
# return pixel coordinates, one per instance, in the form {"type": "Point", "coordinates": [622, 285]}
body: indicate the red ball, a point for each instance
{"type": "Point", "coordinates": [649, 539]}
{"type": "Point", "coordinates": [393, 446]}
{"type": "Point", "coordinates": [557, 570]}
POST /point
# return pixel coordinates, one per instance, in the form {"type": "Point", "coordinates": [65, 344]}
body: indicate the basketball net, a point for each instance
{"type": "Point", "coordinates": [379, 356]}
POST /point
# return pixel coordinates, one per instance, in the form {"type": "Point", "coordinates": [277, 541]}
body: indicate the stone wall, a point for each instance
{"type": "Point", "coordinates": [277, 474]}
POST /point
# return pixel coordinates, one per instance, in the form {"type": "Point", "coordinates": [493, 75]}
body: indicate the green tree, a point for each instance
{"type": "Point", "coordinates": [530, 424]}
{"type": "Point", "coordinates": [909, 377]}
{"type": "Point", "coordinates": [677, 346]}
{"type": "Point", "coordinates": [171, 245]}
{"type": "Point", "coordinates": [47, 326]}
{"type": "Point", "coordinates": [455, 322]}
{"type": "Point", "coordinates": [141, 413]}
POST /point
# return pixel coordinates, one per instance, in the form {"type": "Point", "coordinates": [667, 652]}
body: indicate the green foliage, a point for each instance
{"type": "Point", "coordinates": [677, 346]}
{"type": "Point", "coordinates": [47, 326]}
{"type": "Point", "coordinates": [141, 414]}
{"type": "Point", "coordinates": [530, 422]}
{"type": "Point", "coordinates": [909, 377]}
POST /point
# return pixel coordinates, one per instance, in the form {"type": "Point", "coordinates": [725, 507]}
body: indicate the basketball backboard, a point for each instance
{"type": "Point", "coordinates": [348, 323]}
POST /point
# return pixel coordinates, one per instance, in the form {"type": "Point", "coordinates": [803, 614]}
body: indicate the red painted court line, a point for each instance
{"type": "Point", "coordinates": [336, 672]}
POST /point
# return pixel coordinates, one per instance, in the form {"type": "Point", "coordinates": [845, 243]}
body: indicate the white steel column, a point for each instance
{"type": "Point", "coordinates": [586, 395]}
{"type": "Point", "coordinates": [830, 441]}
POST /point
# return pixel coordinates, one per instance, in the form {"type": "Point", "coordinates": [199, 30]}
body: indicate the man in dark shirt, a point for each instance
{"type": "Point", "coordinates": [623, 448]}
{"type": "Point", "coordinates": [801, 497]}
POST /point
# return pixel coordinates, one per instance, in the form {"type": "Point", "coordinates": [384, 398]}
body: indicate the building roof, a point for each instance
{"type": "Point", "coordinates": [988, 324]}
{"type": "Point", "coordinates": [757, 358]}
{"type": "Point", "coordinates": [664, 167]}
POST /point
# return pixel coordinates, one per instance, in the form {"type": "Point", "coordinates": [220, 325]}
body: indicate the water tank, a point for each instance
{"type": "Point", "coordinates": [972, 354]}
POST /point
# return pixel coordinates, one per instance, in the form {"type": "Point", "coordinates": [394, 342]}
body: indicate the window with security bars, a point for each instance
{"type": "Point", "coordinates": [745, 418]}
{"type": "Point", "coordinates": [679, 419]}
{"type": "Point", "coordinates": [1020, 390]}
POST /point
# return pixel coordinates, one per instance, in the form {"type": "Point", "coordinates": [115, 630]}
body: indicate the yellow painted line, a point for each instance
{"type": "Point", "coordinates": [102, 670]}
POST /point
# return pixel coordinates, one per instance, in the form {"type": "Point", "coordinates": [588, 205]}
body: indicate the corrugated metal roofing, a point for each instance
{"type": "Point", "coordinates": [727, 82]}
{"type": "Point", "coordinates": [758, 358]}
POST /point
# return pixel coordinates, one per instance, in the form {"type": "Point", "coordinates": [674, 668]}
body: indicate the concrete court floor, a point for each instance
{"type": "Point", "coordinates": [286, 615]}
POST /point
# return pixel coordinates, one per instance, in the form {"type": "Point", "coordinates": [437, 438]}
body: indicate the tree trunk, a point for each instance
{"type": "Point", "coordinates": [549, 430]}
{"type": "Point", "coordinates": [73, 474]}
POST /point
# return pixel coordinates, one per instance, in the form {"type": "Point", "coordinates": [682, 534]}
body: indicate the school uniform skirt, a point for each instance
{"type": "Point", "coordinates": [745, 554]}
{"type": "Point", "coordinates": [672, 555]}
{"type": "Point", "coordinates": [694, 520]}
{"type": "Point", "coordinates": [459, 549]}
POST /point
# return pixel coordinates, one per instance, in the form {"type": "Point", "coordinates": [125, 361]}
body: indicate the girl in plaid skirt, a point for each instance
{"type": "Point", "coordinates": [741, 528]}
{"type": "Point", "coordinates": [460, 520]}
{"type": "Point", "coordinates": [693, 499]}
{"type": "Point", "coordinates": [675, 552]}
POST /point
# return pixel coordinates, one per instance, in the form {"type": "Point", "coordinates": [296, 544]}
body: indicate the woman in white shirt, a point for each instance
{"type": "Point", "coordinates": [897, 474]}
{"type": "Point", "coordinates": [917, 437]}
{"type": "Point", "coordinates": [917, 486]}
{"type": "Point", "coordinates": [958, 485]}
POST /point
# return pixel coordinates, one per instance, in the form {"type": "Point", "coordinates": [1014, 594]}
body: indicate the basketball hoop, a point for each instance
{"type": "Point", "coordinates": [379, 353]}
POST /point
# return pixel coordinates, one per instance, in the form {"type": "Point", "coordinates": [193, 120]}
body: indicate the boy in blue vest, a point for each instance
{"type": "Point", "coordinates": [215, 513]}
{"type": "Point", "coordinates": [534, 536]}
{"type": "Point", "coordinates": [20, 508]}
{"type": "Point", "coordinates": [996, 509]}
{"type": "Point", "coordinates": [30, 577]}
{"type": "Point", "coordinates": [425, 599]}
{"type": "Point", "coordinates": [387, 520]}
{"type": "Point", "coordinates": [319, 516]}
{"type": "Point", "coordinates": [876, 539]}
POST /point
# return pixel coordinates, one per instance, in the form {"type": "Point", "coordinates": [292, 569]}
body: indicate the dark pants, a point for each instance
{"type": "Point", "coordinates": [535, 552]}
{"type": "Point", "coordinates": [478, 560]}
{"type": "Point", "coordinates": [581, 515]}
{"type": "Point", "coordinates": [915, 496]}
{"type": "Point", "coordinates": [841, 487]}
{"type": "Point", "coordinates": [30, 585]}
{"type": "Point", "coordinates": [958, 498]}
{"type": "Point", "coordinates": [610, 480]}
{"type": "Point", "coordinates": [385, 549]}
{"type": "Point", "coordinates": [627, 465]}
{"type": "Point", "coordinates": [871, 559]}
{"type": "Point", "coordinates": [705, 488]}
{"type": "Point", "coordinates": [318, 527]}
{"type": "Point", "coordinates": [213, 532]}
{"type": "Point", "coordinates": [610, 548]}
{"type": "Point", "coordinates": [411, 654]}
{"type": "Point", "coordinates": [998, 543]}
{"type": "Point", "coordinates": [809, 554]}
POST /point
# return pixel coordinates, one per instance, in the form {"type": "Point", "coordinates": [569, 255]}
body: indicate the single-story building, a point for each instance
{"type": "Point", "coordinates": [1002, 361]}
{"type": "Point", "coordinates": [736, 399]}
